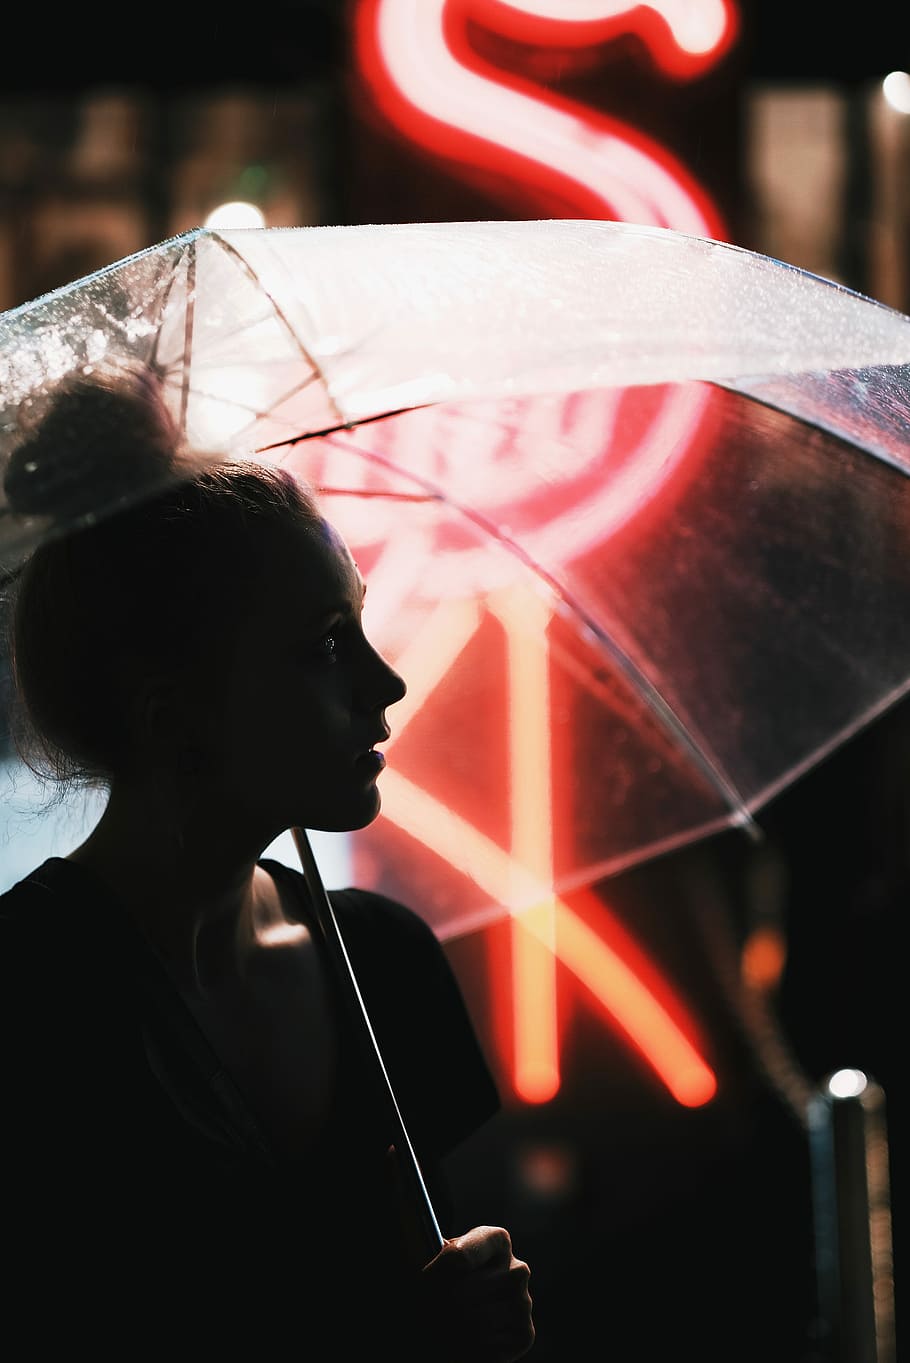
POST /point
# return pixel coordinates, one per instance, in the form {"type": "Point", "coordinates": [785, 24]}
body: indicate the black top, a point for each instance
{"type": "Point", "coordinates": [136, 1182]}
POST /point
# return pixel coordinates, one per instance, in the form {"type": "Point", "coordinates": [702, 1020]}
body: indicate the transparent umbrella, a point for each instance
{"type": "Point", "coordinates": [633, 507]}
{"type": "Point", "coordinates": [632, 504]}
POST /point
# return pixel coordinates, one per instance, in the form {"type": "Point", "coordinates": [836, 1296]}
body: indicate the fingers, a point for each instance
{"type": "Point", "coordinates": [476, 1292]}
{"type": "Point", "coordinates": [482, 1246]}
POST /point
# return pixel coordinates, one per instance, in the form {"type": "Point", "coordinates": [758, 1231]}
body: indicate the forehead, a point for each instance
{"type": "Point", "coordinates": [311, 567]}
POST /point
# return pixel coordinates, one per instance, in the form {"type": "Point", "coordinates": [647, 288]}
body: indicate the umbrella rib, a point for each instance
{"type": "Point", "coordinates": [570, 605]}
{"type": "Point", "coordinates": [279, 313]}
{"type": "Point", "coordinates": [188, 328]}
{"type": "Point", "coordinates": [433, 495]}
{"type": "Point", "coordinates": [189, 254]}
{"type": "Point", "coordinates": [659, 707]}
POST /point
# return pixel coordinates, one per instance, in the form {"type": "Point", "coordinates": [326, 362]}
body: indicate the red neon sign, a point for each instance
{"type": "Point", "coordinates": [682, 39]}
{"type": "Point", "coordinates": [416, 58]}
{"type": "Point", "coordinates": [432, 86]}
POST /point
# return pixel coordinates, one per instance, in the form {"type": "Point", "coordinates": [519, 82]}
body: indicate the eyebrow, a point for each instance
{"type": "Point", "coordinates": [339, 609]}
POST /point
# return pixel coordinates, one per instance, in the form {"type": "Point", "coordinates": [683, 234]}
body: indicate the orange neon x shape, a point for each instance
{"type": "Point", "coordinates": [544, 927]}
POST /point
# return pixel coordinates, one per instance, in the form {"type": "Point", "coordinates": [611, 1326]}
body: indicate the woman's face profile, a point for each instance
{"type": "Point", "coordinates": [302, 705]}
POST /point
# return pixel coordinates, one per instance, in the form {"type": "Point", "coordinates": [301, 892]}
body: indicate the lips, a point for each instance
{"type": "Point", "coordinates": [371, 762]}
{"type": "Point", "coordinates": [380, 736]}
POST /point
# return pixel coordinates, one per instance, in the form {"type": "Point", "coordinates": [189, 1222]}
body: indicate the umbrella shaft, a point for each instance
{"type": "Point", "coordinates": [419, 1213]}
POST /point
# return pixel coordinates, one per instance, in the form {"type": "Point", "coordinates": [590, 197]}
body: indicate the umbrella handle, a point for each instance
{"type": "Point", "coordinates": [429, 1237]}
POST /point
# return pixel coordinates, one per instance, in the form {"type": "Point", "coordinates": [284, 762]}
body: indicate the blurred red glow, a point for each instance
{"type": "Point", "coordinates": [417, 63]}
{"type": "Point", "coordinates": [682, 39]}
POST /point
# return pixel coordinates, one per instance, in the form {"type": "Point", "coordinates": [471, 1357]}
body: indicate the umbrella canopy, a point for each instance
{"type": "Point", "coordinates": [632, 506]}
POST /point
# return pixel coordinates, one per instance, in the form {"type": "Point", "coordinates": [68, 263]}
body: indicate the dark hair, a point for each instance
{"type": "Point", "coordinates": [145, 592]}
{"type": "Point", "coordinates": [89, 445]}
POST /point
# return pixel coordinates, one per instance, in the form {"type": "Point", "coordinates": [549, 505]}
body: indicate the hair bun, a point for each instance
{"type": "Point", "coordinates": [98, 443]}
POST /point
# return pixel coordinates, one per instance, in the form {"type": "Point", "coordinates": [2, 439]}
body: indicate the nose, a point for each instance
{"type": "Point", "coordinates": [397, 690]}
{"type": "Point", "coordinates": [381, 685]}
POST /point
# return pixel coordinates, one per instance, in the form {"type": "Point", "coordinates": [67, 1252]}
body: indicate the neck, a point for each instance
{"type": "Point", "coordinates": [198, 899]}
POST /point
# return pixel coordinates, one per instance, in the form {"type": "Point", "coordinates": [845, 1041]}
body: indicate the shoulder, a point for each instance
{"type": "Point", "coordinates": [419, 1014]}
{"type": "Point", "coordinates": [366, 915]}
{"type": "Point", "coordinates": [51, 900]}
{"type": "Point", "coordinates": [30, 910]}
{"type": "Point", "coordinates": [52, 981]}
{"type": "Point", "coordinates": [60, 944]}
{"type": "Point", "coordinates": [400, 963]}
{"type": "Point", "coordinates": [375, 913]}
{"type": "Point", "coordinates": [30, 886]}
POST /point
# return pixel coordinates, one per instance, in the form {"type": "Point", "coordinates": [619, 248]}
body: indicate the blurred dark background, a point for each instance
{"type": "Point", "coordinates": [650, 1227]}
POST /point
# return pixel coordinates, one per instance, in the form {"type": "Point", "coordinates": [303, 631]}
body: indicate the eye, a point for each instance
{"type": "Point", "coordinates": [333, 646]}
{"type": "Point", "coordinates": [327, 647]}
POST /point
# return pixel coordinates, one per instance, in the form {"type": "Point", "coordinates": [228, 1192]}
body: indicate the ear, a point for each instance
{"type": "Point", "coordinates": [166, 724]}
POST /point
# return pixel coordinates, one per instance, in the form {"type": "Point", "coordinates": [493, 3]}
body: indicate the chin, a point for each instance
{"type": "Point", "coordinates": [364, 821]}
{"type": "Point", "coordinates": [348, 821]}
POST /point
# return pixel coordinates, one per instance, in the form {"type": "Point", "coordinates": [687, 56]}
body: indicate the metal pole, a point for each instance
{"type": "Point", "coordinates": [852, 1215]}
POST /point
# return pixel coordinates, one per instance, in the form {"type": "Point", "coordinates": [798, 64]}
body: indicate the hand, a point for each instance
{"type": "Point", "coordinates": [474, 1300]}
